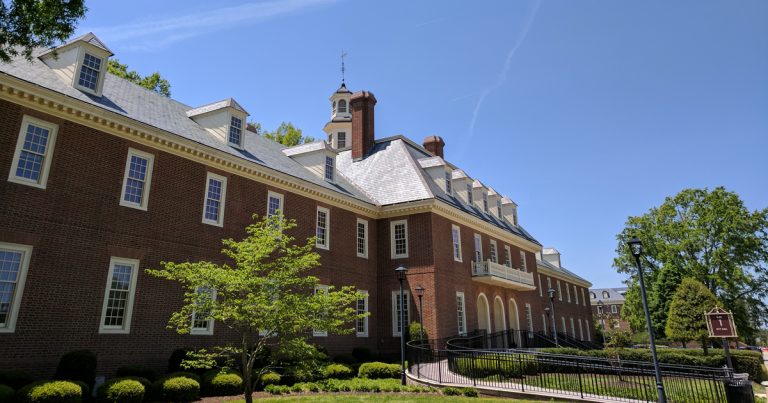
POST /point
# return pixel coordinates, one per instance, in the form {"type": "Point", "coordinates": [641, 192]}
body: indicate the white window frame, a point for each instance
{"type": "Point", "coordinates": [470, 198]}
{"type": "Point", "coordinates": [329, 168]}
{"type": "Point", "coordinates": [393, 248]}
{"type": "Point", "coordinates": [507, 256]}
{"type": "Point", "coordinates": [273, 195]}
{"type": "Point", "coordinates": [197, 331]}
{"type": "Point", "coordinates": [338, 140]}
{"type": "Point", "coordinates": [364, 223]}
{"type": "Point", "coordinates": [222, 202]}
{"type": "Point", "coordinates": [365, 319]}
{"type": "Point", "coordinates": [456, 242]}
{"type": "Point", "coordinates": [576, 294]}
{"type": "Point", "coordinates": [327, 244]}
{"type": "Point", "coordinates": [147, 183]}
{"type": "Point", "coordinates": [448, 183]}
{"type": "Point", "coordinates": [583, 300]}
{"type": "Point", "coordinates": [565, 329]}
{"type": "Point", "coordinates": [461, 313]}
{"type": "Point", "coordinates": [581, 330]}
{"type": "Point", "coordinates": [395, 313]}
{"type": "Point", "coordinates": [573, 328]}
{"type": "Point", "coordinates": [100, 78]}
{"type": "Point", "coordinates": [568, 292]}
{"type": "Point", "coordinates": [529, 320]}
{"type": "Point", "coordinates": [614, 309]}
{"type": "Point", "coordinates": [18, 289]}
{"type": "Point", "coordinates": [478, 248]}
{"type": "Point", "coordinates": [523, 262]}
{"type": "Point", "coordinates": [45, 169]}
{"type": "Point", "coordinates": [320, 333]}
{"type": "Point", "coordinates": [242, 131]}
{"type": "Point", "coordinates": [559, 291]}
{"type": "Point", "coordinates": [485, 202]}
{"type": "Point", "coordinates": [494, 251]}
{"type": "Point", "coordinates": [126, 327]}
{"type": "Point", "coordinates": [549, 283]}
{"type": "Point", "coordinates": [544, 322]}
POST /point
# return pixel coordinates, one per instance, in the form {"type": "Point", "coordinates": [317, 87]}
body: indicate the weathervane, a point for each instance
{"type": "Point", "coordinates": [343, 55]}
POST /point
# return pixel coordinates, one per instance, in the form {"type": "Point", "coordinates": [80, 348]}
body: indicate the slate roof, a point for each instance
{"type": "Point", "coordinates": [214, 106]}
{"type": "Point", "coordinates": [142, 105]}
{"type": "Point", "coordinates": [308, 147]}
{"type": "Point", "coordinates": [615, 295]}
{"type": "Point", "coordinates": [89, 37]}
{"type": "Point", "coordinates": [560, 269]}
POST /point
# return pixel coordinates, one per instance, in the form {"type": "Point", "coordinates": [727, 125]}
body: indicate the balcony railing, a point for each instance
{"type": "Point", "coordinates": [498, 274]}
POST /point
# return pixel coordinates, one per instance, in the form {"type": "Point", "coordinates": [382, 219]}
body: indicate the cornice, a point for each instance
{"type": "Point", "coordinates": [563, 276]}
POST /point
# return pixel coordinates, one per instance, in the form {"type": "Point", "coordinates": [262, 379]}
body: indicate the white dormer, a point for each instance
{"type": "Point", "coordinates": [509, 210]}
{"type": "Point", "coordinates": [339, 128]}
{"type": "Point", "coordinates": [494, 203]}
{"type": "Point", "coordinates": [462, 186]}
{"type": "Point", "coordinates": [480, 197]}
{"type": "Point", "coordinates": [317, 157]}
{"type": "Point", "coordinates": [224, 119]}
{"type": "Point", "coordinates": [439, 172]}
{"type": "Point", "coordinates": [82, 62]}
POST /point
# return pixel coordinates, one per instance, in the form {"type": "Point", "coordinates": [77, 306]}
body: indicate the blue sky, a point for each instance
{"type": "Point", "coordinates": [583, 112]}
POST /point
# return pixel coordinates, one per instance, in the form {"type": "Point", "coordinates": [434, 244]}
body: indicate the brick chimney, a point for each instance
{"type": "Point", "coordinates": [435, 145]}
{"type": "Point", "coordinates": [362, 105]}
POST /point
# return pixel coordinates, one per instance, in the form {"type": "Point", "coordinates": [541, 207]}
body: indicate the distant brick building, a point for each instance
{"type": "Point", "coordinates": [606, 306]}
{"type": "Point", "coordinates": [106, 179]}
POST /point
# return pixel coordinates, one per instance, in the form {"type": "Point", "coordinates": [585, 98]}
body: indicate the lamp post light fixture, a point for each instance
{"type": "Point", "coordinates": [551, 293]}
{"type": "Point", "coordinates": [401, 271]}
{"type": "Point", "coordinates": [600, 314]}
{"type": "Point", "coordinates": [636, 248]}
{"type": "Point", "coordinates": [420, 293]}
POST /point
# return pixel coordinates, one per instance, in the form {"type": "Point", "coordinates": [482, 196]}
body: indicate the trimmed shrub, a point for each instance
{"type": "Point", "coordinates": [121, 390]}
{"type": "Point", "coordinates": [77, 365]}
{"type": "Point", "coordinates": [51, 392]}
{"type": "Point", "coordinates": [362, 354]}
{"type": "Point", "coordinates": [136, 370]}
{"type": "Point", "coordinates": [451, 391]}
{"type": "Point", "coordinates": [15, 379]}
{"type": "Point", "coordinates": [222, 383]}
{"type": "Point", "coordinates": [179, 389]}
{"type": "Point", "coordinates": [413, 332]}
{"type": "Point", "coordinates": [469, 392]}
{"type": "Point", "coordinates": [182, 374]}
{"type": "Point", "coordinates": [379, 370]}
{"type": "Point", "coordinates": [270, 378]}
{"type": "Point", "coordinates": [278, 389]}
{"type": "Point", "coordinates": [6, 394]}
{"type": "Point", "coordinates": [338, 371]}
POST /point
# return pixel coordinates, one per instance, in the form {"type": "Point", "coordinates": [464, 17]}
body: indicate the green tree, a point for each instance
{"type": "Point", "coordinates": [709, 236]}
{"type": "Point", "coordinates": [28, 24]}
{"type": "Point", "coordinates": [152, 82]}
{"type": "Point", "coordinates": [685, 321]}
{"type": "Point", "coordinates": [267, 297]}
{"type": "Point", "coordinates": [286, 134]}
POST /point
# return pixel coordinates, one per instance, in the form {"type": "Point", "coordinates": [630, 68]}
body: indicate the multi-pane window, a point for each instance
{"type": "Point", "coordinates": [341, 138]}
{"type": "Point", "coordinates": [549, 283]}
{"type": "Point", "coordinates": [573, 329]}
{"type": "Point", "coordinates": [583, 300]}
{"type": "Point", "coordinates": [34, 148]}
{"type": "Point", "coordinates": [469, 193]}
{"type": "Point", "coordinates": [323, 217]}
{"type": "Point", "coordinates": [329, 168]}
{"type": "Point", "coordinates": [456, 240]}
{"type": "Point", "coordinates": [599, 309]}
{"type": "Point", "coordinates": [399, 232]}
{"type": "Point", "coordinates": [563, 329]}
{"type": "Point", "coordinates": [89, 72]}
{"type": "Point", "coordinates": [576, 294]}
{"type": "Point", "coordinates": [581, 331]}
{"type": "Point", "coordinates": [498, 208]}
{"type": "Point", "coordinates": [461, 313]}
{"type": "Point", "coordinates": [137, 179]}
{"type": "Point", "coordinates": [529, 320]}
{"type": "Point", "coordinates": [589, 334]}
{"type": "Point", "coordinates": [396, 305]}
{"type": "Point", "coordinates": [559, 291]}
{"type": "Point", "coordinates": [14, 263]}
{"type": "Point", "coordinates": [614, 309]}
{"type": "Point", "coordinates": [362, 238]}
{"type": "Point", "coordinates": [361, 325]}
{"type": "Point", "coordinates": [568, 292]}
{"type": "Point", "coordinates": [541, 289]}
{"type": "Point", "coordinates": [342, 106]}
{"type": "Point", "coordinates": [478, 248]}
{"type": "Point", "coordinates": [507, 256]}
{"type": "Point", "coordinates": [235, 137]}
{"type": "Point", "coordinates": [321, 290]}
{"type": "Point", "coordinates": [523, 263]}
{"type": "Point", "coordinates": [274, 204]}
{"type": "Point", "coordinates": [485, 202]}
{"type": "Point", "coordinates": [448, 189]}
{"type": "Point", "coordinates": [202, 323]}
{"type": "Point", "coordinates": [118, 296]}
{"type": "Point", "coordinates": [215, 195]}
{"type": "Point", "coordinates": [494, 256]}
{"type": "Point", "coordinates": [545, 325]}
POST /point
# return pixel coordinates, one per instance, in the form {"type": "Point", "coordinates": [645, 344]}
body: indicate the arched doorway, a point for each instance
{"type": "Point", "coordinates": [483, 314]}
{"type": "Point", "coordinates": [499, 321]}
{"type": "Point", "coordinates": [514, 322]}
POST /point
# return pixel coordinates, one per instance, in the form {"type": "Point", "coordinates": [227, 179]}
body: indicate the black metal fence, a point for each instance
{"type": "Point", "coordinates": [515, 339]}
{"type": "Point", "coordinates": [564, 375]}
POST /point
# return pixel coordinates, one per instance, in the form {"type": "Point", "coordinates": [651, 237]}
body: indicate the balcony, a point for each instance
{"type": "Point", "coordinates": [492, 273]}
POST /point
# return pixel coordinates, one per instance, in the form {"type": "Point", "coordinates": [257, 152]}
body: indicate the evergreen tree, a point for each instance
{"type": "Point", "coordinates": [686, 321]}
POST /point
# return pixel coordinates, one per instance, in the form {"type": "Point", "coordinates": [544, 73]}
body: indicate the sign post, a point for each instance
{"type": "Point", "coordinates": [720, 324]}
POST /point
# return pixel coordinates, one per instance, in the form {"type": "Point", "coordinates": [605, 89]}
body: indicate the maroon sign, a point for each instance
{"type": "Point", "coordinates": [720, 323]}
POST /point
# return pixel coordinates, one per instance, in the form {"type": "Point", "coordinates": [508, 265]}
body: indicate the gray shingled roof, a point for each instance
{"type": "Point", "coordinates": [614, 294]}
{"type": "Point", "coordinates": [89, 37]}
{"type": "Point", "coordinates": [561, 269]}
{"type": "Point", "coordinates": [140, 104]}
{"type": "Point", "coordinates": [214, 106]}
{"type": "Point", "coordinates": [308, 147]}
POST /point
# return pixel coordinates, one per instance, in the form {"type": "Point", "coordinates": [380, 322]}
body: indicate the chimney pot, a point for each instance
{"type": "Point", "coordinates": [435, 145]}
{"type": "Point", "coordinates": [362, 105]}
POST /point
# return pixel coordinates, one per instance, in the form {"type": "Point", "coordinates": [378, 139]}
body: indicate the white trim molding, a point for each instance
{"type": "Point", "coordinates": [146, 181]}
{"type": "Point", "coordinates": [47, 155]}
{"type": "Point", "coordinates": [18, 255]}
{"type": "Point", "coordinates": [219, 221]}
{"type": "Point", "coordinates": [127, 309]}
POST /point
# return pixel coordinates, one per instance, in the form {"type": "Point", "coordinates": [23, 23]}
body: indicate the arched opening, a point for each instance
{"type": "Point", "coordinates": [483, 314]}
{"type": "Point", "coordinates": [499, 321]}
{"type": "Point", "coordinates": [342, 106]}
{"type": "Point", "coordinates": [514, 322]}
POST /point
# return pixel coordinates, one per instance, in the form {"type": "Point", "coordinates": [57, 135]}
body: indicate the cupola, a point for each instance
{"type": "Point", "coordinates": [339, 128]}
{"type": "Point", "coordinates": [82, 62]}
{"type": "Point", "coordinates": [223, 119]}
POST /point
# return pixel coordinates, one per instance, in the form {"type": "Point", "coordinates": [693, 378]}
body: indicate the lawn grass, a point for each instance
{"type": "Point", "coordinates": [379, 397]}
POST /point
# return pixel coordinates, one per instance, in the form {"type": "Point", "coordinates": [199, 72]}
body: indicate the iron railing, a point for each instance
{"type": "Point", "coordinates": [564, 375]}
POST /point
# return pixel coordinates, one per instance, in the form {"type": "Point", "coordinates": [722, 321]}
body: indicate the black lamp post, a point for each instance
{"type": "Point", "coordinates": [600, 313]}
{"type": "Point", "coordinates": [551, 293]}
{"type": "Point", "coordinates": [636, 247]}
{"type": "Point", "coordinates": [546, 311]}
{"type": "Point", "coordinates": [401, 271]}
{"type": "Point", "coordinates": [420, 293]}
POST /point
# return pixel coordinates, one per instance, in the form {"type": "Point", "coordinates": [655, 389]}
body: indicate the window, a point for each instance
{"type": "Point", "coordinates": [137, 179]}
{"type": "Point", "coordinates": [14, 263]}
{"type": "Point", "coordinates": [399, 233]}
{"type": "Point", "coordinates": [448, 189]}
{"type": "Point", "coordinates": [235, 131]}
{"type": "Point", "coordinates": [589, 334]}
{"type": "Point", "coordinates": [90, 69]}
{"type": "Point", "coordinates": [323, 216]}
{"type": "Point", "coordinates": [576, 294]}
{"type": "Point", "coordinates": [34, 148]}
{"type": "Point", "coordinates": [592, 295]}
{"type": "Point", "coordinates": [544, 323]}
{"type": "Point", "coordinates": [494, 258]}
{"type": "Point", "coordinates": [485, 202]}
{"type": "Point", "coordinates": [478, 248]}
{"type": "Point", "coordinates": [322, 290]}
{"type": "Point", "coordinates": [523, 263]}
{"type": "Point", "coordinates": [362, 238]}
{"type": "Point", "coordinates": [202, 324]}
{"type": "Point", "coordinates": [564, 329]}
{"type": "Point", "coordinates": [507, 256]}
{"type": "Point", "coordinates": [549, 283]}
{"type": "Point", "coordinates": [274, 203]}
{"type": "Point", "coordinates": [215, 195]}
{"type": "Point", "coordinates": [529, 320]}
{"type": "Point", "coordinates": [329, 168]}
{"type": "Point", "coordinates": [614, 309]}
{"type": "Point", "coordinates": [469, 193]}
{"type": "Point", "coordinates": [341, 138]}
{"type": "Point", "coordinates": [498, 208]}
{"type": "Point", "coordinates": [541, 289]}
{"type": "Point", "coordinates": [559, 291]}
{"type": "Point", "coordinates": [456, 238]}
{"type": "Point", "coordinates": [342, 106]}
{"type": "Point", "coordinates": [599, 309]}
{"type": "Point", "coordinates": [396, 304]}
{"type": "Point", "coordinates": [461, 313]}
{"type": "Point", "coordinates": [361, 327]}
{"type": "Point", "coordinates": [606, 295]}
{"type": "Point", "coordinates": [118, 296]}
{"type": "Point", "coordinates": [573, 328]}
{"type": "Point", "coordinates": [568, 292]}
{"type": "Point", "coordinates": [583, 300]}
{"type": "Point", "coordinates": [581, 331]}
{"type": "Point", "coordinates": [616, 324]}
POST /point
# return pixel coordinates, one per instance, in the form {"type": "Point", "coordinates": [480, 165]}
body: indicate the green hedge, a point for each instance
{"type": "Point", "coordinates": [338, 371]}
{"type": "Point", "coordinates": [121, 390]}
{"type": "Point", "coordinates": [221, 383]}
{"type": "Point", "coordinates": [379, 370]}
{"type": "Point", "coordinates": [270, 378]}
{"type": "Point", "coordinates": [505, 365]}
{"type": "Point", "coordinates": [178, 389]}
{"type": "Point", "coordinates": [15, 379]}
{"type": "Point", "coordinates": [349, 385]}
{"type": "Point", "coordinates": [77, 365]}
{"type": "Point", "coordinates": [50, 392]}
{"type": "Point", "coordinates": [6, 394]}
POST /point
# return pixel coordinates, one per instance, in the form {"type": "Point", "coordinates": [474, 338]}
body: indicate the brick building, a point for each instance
{"type": "Point", "coordinates": [106, 179]}
{"type": "Point", "coordinates": [606, 307]}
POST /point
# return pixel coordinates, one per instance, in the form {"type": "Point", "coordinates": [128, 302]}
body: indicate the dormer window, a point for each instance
{"type": "Point", "coordinates": [485, 202]}
{"type": "Point", "coordinates": [90, 71]}
{"type": "Point", "coordinates": [469, 193]}
{"type": "Point", "coordinates": [342, 106]}
{"type": "Point", "coordinates": [606, 295]}
{"type": "Point", "coordinates": [235, 131]}
{"type": "Point", "coordinates": [341, 139]}
{"type": "Point", "coordinates": [329, 168]}
{"type": "Point", "coordinates": [448, 189]}
{"type": "Point", "coordinates": [498, 208]}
